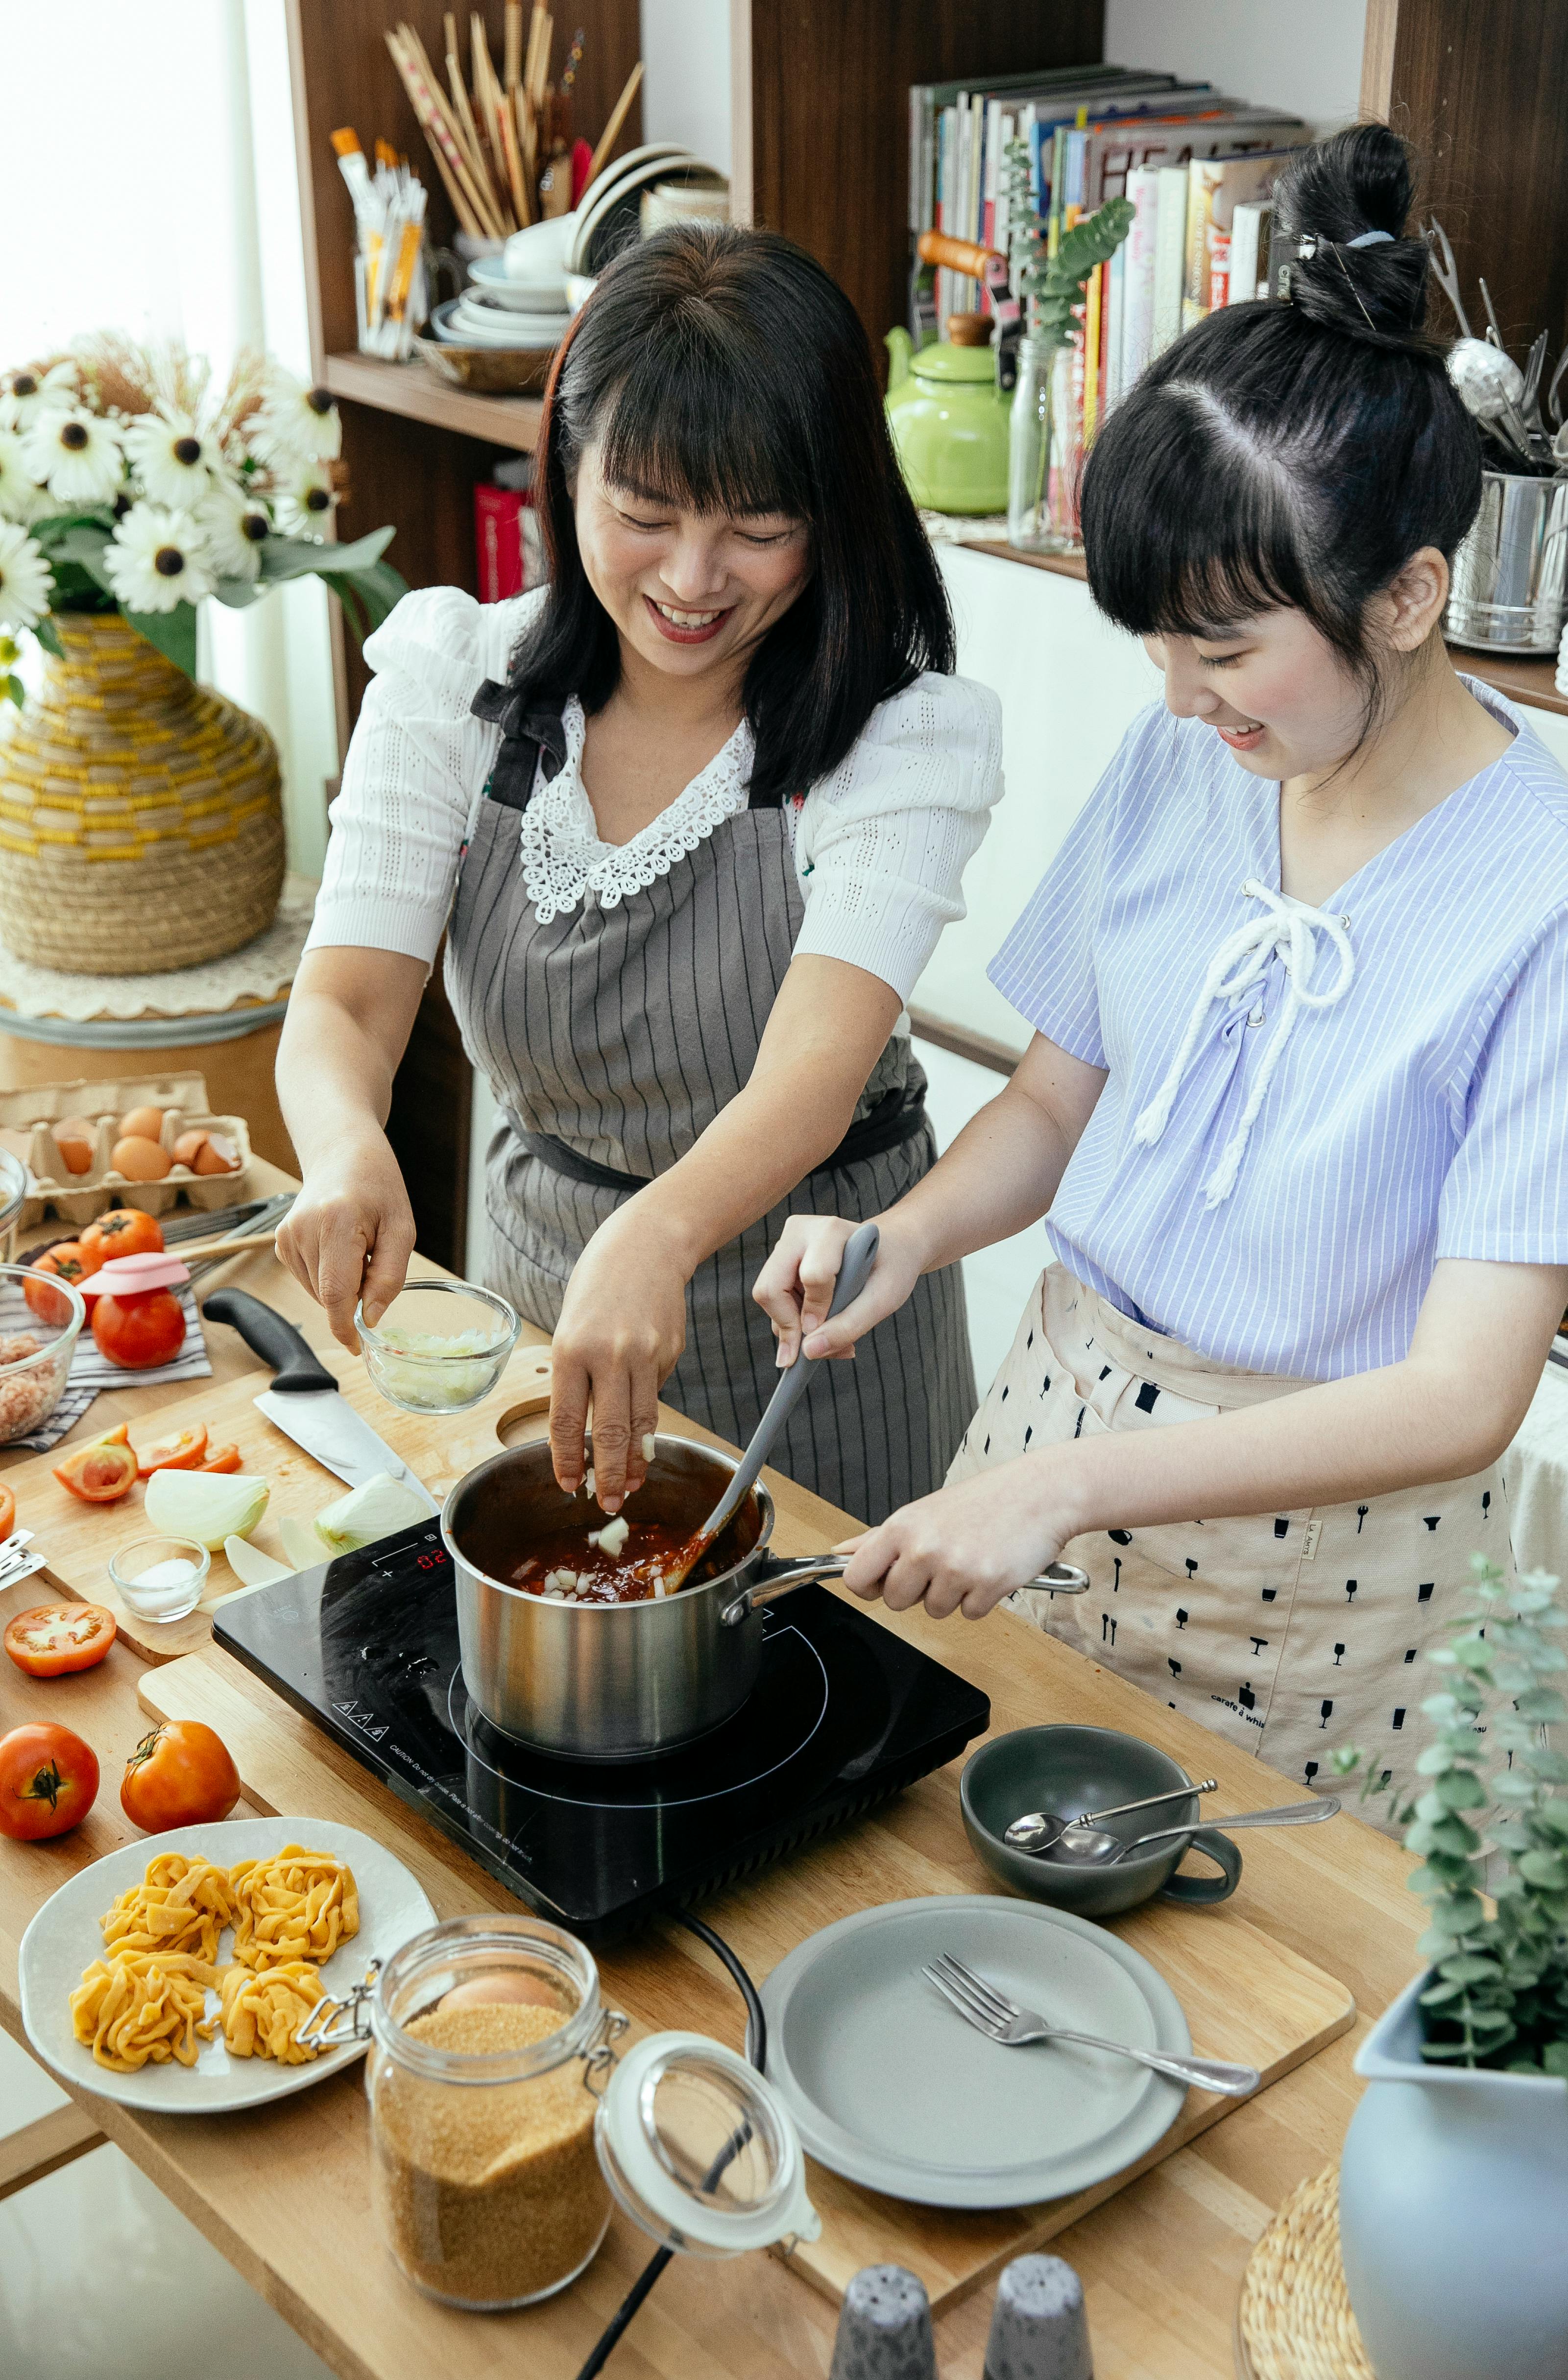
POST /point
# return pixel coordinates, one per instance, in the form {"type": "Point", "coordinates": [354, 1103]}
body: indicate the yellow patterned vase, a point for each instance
{"type": "Point", "coordinates": [141, 815]}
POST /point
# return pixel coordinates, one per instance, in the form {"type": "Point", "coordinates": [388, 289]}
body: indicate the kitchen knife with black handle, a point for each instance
{"type": "Point", "coordinates": [305, 1402]}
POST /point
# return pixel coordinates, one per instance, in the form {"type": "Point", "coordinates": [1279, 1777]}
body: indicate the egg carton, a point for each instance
{"type": "Point", "coordinates": [77, 1197]}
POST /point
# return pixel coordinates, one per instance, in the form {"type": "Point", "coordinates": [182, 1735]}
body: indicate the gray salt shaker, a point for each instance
{"type": "Point", "coordinates": [1038, 2330]}
{"type": "Point", "coordinates": [885, 2332]}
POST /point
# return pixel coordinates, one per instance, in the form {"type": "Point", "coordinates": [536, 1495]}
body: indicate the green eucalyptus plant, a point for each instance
{"type": "Point", "coordinates": [1498, 1990]}
{"type": "Point", "coordinates": [1054, 286]}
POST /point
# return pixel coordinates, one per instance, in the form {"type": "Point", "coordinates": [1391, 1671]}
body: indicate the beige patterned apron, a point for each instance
{"type": "Point", "coordinates": [1292, 1634]}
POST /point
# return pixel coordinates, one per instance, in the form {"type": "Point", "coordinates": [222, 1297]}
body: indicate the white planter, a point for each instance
{"type": "Point", "coordinates": [1453, 2214]}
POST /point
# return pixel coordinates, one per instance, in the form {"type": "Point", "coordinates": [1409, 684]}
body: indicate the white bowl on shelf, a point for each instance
{"type": "Point", "coordinates": [539, 250]}
{"type": "Point", "coordinates": [542, 294]}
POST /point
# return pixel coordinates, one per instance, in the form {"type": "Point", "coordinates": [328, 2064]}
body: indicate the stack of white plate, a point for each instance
{"type": "Point", "coordinates": [482, 317]}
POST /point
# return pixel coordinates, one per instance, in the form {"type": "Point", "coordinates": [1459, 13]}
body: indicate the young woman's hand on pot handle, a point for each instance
{"type": "Point", "coordinates": [795, 1287]}
{"type": "Point", "coordinates": [621, 1334]}
{"type": "Point", "coordinates": [965, 1548]}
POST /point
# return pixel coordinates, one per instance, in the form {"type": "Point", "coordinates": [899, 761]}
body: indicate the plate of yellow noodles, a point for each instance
{"type": "Point", "coordinates": [176, 1974]}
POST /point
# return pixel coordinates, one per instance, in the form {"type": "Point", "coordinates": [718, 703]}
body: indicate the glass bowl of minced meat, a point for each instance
{"type": "Point", "coordinates": [441, 1345]}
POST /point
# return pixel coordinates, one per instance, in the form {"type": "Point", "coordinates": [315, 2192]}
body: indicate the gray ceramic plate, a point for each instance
{"type": "Point", "coordinates": [892, 2088]}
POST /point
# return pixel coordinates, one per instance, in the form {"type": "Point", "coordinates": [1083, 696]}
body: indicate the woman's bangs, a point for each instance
{"type": "Point", "coordinates": [703, 433]}
{"type": "Point", "coordinates": [1185, 534]}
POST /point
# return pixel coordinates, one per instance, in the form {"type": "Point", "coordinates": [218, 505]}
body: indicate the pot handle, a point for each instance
{"type": "Point", "coordinates": [780, 1575]}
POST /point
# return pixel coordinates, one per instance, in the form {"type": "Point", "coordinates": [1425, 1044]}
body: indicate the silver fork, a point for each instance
{"type": "Point", "coordinates": [992, 2012]}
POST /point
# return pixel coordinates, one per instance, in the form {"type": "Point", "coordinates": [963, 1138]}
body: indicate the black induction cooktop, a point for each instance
{"type": "Point", "coordinates": [844, 1714]}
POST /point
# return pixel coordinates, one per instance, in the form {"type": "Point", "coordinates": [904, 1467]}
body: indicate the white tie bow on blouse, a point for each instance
{"type": "Point", "coordinates": [1290, 928]}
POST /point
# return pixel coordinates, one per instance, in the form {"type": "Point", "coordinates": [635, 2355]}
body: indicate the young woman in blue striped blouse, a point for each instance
{"type": "Point", "coordinates": [1296, 1107]}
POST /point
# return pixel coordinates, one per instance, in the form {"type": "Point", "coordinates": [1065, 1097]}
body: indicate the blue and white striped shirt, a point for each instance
{"type": "Point", "coordinates": [1425, 1115]}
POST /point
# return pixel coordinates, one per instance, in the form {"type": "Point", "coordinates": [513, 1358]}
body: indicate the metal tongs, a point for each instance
{"type": "Point", "coordinates": [1501, 398]}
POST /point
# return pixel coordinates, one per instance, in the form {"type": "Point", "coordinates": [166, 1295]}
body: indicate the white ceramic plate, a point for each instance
{"type": "Point", "coordinates": [890, 2087]}
{"type": "Point", "coordinates": [544, 294]}
{"type": "Point", "coordinates": [616, 184]}
{"type": "Point", "coordinates": [65, 1938]}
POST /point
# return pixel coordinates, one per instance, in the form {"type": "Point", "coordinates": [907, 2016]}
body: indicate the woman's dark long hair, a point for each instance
{"type": "Point", "coordinates": [724, 370]}
{"type": "Point", "coordinates": [1296, 455]}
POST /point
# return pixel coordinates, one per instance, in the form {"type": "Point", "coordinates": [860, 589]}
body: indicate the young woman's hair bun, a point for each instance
{"type": "Point", "coordinates": [1340, 213]}
{"type": "Point", "coordinates": [1292, 455]}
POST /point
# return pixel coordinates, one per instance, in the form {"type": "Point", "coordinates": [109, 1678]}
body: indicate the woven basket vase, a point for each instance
{"type": "Point", "coordinates": [141, 815]}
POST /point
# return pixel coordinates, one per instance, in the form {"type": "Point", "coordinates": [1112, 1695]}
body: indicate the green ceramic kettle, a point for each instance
{"type": "Point", "coordinates": [949, 423]}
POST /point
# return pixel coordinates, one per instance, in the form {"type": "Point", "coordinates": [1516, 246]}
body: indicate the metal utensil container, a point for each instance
{"type": "Point", "coordinates": [1510, 589]}
{"type": "Point", "coordinates": [485, 2178]}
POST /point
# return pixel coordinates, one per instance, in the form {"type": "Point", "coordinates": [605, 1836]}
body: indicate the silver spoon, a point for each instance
{"type": "Point", "coordinates": [1096, 1850]}
{"type": "Point", "coordinates": [1040, 1830]}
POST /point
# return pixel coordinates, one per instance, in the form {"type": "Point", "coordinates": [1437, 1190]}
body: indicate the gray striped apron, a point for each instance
{"type": "Point", "coordinates": [612, 1038]}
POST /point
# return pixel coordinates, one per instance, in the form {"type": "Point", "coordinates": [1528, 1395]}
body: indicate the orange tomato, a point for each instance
{"type": "Point", "coordinates": [7, 1512]}
{"type": "Point", "coordinates": [123, 1232]}
{"type": "Point", "coordinates": [139, 1331]}
{"type": "Point", "coordinates": [48, 1782]}
{"type": "Point", "coordinates": [181, 1775]}
{"type": "Point", "coordinates": [100, 1471]}
{"type": "Point", "coordinates": [223, 1458]}
{"type": "Point", "coordinates": [55, 1638]}
{"type": "Point", "coordinates": [182, 1452]}
{"type": "Point", "coordinates": [65, 1262]}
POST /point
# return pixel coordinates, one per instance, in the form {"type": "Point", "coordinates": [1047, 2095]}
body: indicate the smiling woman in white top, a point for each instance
{"type": "Point", "coordinates": [691, 820]}
{"type": "Point", "coordinates": [1296, 1107]}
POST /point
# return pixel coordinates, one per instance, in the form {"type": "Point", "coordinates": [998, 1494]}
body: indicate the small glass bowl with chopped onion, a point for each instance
{"type": "Point", "coordinates": [439, 1347]}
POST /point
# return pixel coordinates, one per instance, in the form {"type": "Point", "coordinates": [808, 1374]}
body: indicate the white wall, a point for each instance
{"type": "Point", "coordinates": [1070, 685]}
{"type": "Point", "coordinates": [686, 85]}
{"type": "Point", "coordinates": [1303, 58]}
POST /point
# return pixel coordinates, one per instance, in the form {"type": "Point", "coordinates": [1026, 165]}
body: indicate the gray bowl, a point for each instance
{"type": "Point", "coordinates": [1071, 1769]}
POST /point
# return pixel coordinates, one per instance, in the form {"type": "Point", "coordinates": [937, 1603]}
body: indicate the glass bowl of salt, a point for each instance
{"type": "Point", "coordinates": [161, 1578]}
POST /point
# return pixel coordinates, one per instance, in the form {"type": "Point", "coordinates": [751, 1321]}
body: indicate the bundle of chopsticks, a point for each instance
{"type": "Point", "coordinates": [496, 148]}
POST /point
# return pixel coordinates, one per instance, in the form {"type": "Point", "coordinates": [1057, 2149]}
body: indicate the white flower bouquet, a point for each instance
{"type": "Point", "coordinates": [129, 482]}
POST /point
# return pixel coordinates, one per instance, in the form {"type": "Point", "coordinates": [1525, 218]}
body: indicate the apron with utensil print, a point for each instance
{"type": "Point", "coordinates": [612, 1037]}
{"type": "Point", "coordinates": [1291, 1633]}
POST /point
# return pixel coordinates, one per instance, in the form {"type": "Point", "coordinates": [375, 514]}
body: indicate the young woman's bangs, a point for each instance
{"type": "Point", "coordinates": [697, 433]}
{"type": "Point", "coordinates": [1184, 536]}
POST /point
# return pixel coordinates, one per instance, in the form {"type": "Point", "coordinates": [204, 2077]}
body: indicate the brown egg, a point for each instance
{"type": "Point", "coordinates": [498, 1990]}
{"type": "Point", "coordinates": [140, 1159]}
{"type": "Point", "coordinates": [76, 1154]}
{"type": "Point", "coordinates": [189, 1148]}
{"type": "Point", "coordinates": [142, 1124]}
{"type": "Point", "coordinates": [216, 1155]}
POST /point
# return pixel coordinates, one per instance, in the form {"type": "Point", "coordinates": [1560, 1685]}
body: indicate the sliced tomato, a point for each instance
{"type": "Point", "coordinates": [100, 1473]}
{"type": "Point", "coordinates": [7, 1512]}
{"type": "Point", "coordinates": [182, 1452]}
{"type": "Point", "coordinates": [123, 1232]}
{"type": "Point", "coordinates": [223, 1458]}
{"type": "Point", "coordinates": [55, 1638]}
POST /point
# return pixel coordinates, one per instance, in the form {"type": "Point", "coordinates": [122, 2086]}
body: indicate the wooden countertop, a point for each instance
{"type": "Point", "coordinates": [1161, 2260]}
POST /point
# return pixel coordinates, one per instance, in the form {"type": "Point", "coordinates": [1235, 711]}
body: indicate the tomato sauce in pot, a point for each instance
{"type": "Point", "coordinates": [565, 1567]}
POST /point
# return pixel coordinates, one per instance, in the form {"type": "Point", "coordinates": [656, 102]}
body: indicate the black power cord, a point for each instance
{"type": "Point", "coordinates": [756, 2051]}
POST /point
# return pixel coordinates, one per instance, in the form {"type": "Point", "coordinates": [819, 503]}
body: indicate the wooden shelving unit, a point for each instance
{"type": "Point", "coordinates": [819, 152]}
{"type": "Point", "coordinates": [413, 392]}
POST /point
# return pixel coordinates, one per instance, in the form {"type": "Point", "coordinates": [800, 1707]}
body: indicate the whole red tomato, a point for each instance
{"type": "Point", "coordinates": [181, 1775]}
{"type": "Point", "coordinates": [48, 1782]}
{"type": "Point", "coordinates": [123, 1232]}
{"type": "Point", "coordinates": [139, 1331]}
{"type": "Point", "coordinates": [65, 1262]}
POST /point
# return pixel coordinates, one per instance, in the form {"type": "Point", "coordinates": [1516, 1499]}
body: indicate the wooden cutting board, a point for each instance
{"type": "Point", "coordinates": [1245, 1995]}
{"type": "Point", "coordinates": [78, 1539]}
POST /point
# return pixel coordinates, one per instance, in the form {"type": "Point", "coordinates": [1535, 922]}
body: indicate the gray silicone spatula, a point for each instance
{"type": "Point", "coordinates": [859, 1255]}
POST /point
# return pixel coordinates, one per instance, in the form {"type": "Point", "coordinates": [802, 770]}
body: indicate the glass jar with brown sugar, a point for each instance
{"type": "Point", "coordinates": [488, 2046]}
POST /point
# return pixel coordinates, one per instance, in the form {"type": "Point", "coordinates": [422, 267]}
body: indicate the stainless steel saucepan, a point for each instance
{"type": "Point", "coordinates": [618, 1681]}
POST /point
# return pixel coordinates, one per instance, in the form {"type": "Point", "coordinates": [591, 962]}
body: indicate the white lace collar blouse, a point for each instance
{"type": "Point", "coordinates": [562, 857]}
{"type": "Point", "coordinates": [879, 846]}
